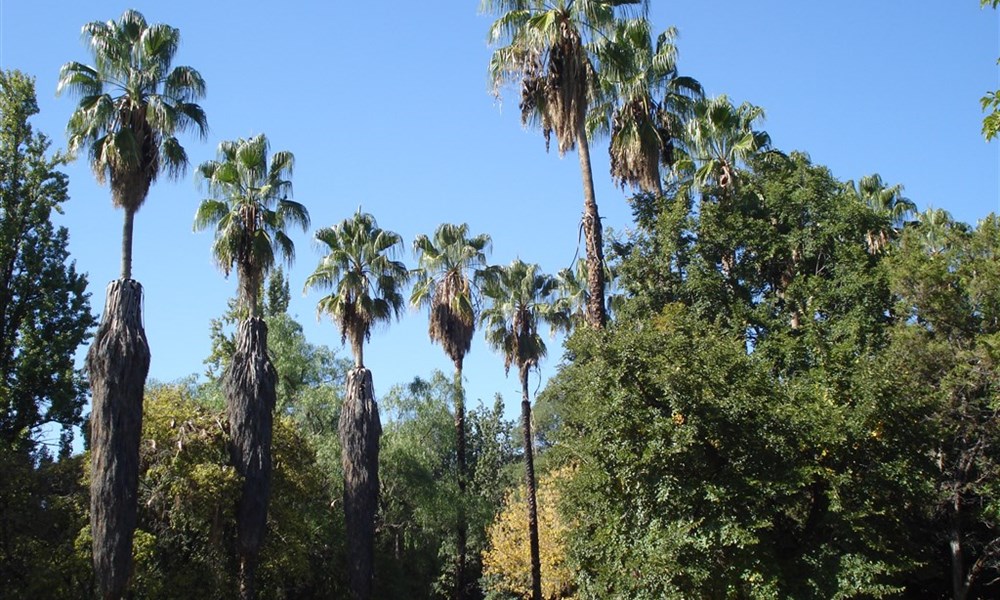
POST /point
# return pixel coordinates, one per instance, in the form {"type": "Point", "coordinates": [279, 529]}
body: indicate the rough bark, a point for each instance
{"type": "Point", "coordinates": [360, 430]}
{"type": "Point", "coordinates": [529, 484]}
{"type": "Point", "coordinates": [117, 363]}
{"type": "Point", "coordinates": [462, 528]}
{"type": "Point", "coordinates": [249, 386]}
{"type": "Point", "coordinates": [592, 231]}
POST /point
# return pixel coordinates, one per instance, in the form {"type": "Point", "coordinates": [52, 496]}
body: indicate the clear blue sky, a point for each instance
{"type": "Point", "coordinates": [386, 106]}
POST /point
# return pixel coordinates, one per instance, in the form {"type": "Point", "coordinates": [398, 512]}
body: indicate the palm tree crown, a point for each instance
{"type": "Point", "coordinates": [443, 283]}
{"type": "Point", "coordinates": [365, 282]}
{"type": "Point", "coordinates": [546, 53]}
{"type": "Point", "coordinates": [642, 102]}
{"type": "Point", "coordinates": [250, 210]}
{"type": "Point", "coordinates": [519, 299]}
{"type": "Point", "coordinates": [889, 205]}
{"type": "Point", "coordinates": [132, 104]}
{"type": "Point", "coordinates": [719, 139]}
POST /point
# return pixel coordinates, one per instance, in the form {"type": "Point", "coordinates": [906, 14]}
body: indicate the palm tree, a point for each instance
{"type": "Point", "coordinates": [719, 140]}
{"type": "Point", "coordinates": [642, 102]}
{"type": "Point", "coordinates": [366, 289]}
{"type": "Point", "coordinates": [545, 51]}
{"type": "Point", "coordinates": [132, 104]}
{"type": "Point", "coordinates": [518, 299]}
{"type": "Point", "coordinates": [935, 226]}
{"type": "Point", "coordinates": [250, 210]}
{"type": "Point", "coordinates": [888, 203]}
{"type": "Point", "coordinates": [444, 285]}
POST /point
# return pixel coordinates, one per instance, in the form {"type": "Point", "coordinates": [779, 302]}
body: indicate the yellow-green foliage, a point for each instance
{"type": "Point", "coordinates": [507, 560]}
{"type": "Point", "coordinates": [184, 544]}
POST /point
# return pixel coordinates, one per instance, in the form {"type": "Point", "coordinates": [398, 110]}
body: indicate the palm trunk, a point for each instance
{"type": "Point", "coordinates": [359, 430]}
{"type": "Point", "coordinates": [462, 528]}
{"type": "Point", "coordinates": [249, 385]}
{"type": "Point", "coordinates": [127, 244]}
{"type": "Point", "coordinates": [529, 482]}
{"type": "Point", "coordinates": [596, 316]}
{"type": "Point", "coordinates": [117, 363]}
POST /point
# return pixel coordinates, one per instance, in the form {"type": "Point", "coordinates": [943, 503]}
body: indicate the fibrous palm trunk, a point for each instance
{"type": "Point", "coordinates": [462, 528]}
{"type": "Point", "coordinates": [249, 385]}
{"type": "Point", "coordinates": [592, 231]}
{"type": "Point", "coordinates": [529, 484]}
{"type": "Point", "coordinates": [360, 429]}
{"type": "Point", "coordinates": [117, 364]}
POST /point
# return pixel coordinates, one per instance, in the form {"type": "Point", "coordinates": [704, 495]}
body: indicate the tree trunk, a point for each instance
{"type": "Point", "coordinates": [596, 316]}
{"type": "Point", "coordinates": [958, 582]}
{"type": "Point", "coordinates": [117, 363]}
{"type": "Point", "coordinates": [529, 483]}
{"type": "Point", "coordinates": [462, 528]}
{"type": "Point", "coordinates": [127, 244]}
{"type": "Point", "coordinates": [249, 386]}
{"type": "Point", "coordinates": [359, 430]}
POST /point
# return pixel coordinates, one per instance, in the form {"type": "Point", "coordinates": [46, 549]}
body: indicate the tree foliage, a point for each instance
{"type": "Point", "coordinates": [44, 307]}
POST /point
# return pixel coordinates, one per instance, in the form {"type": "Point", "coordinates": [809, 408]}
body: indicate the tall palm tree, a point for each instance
{"type": "Point", "coordinates": [366, 288]}
{"type": "Point", "coordinates": [132, 104]}
{"type": "Point", "coordinates": [643, 102]}
{"type": "Point", "coordinates": [543, 48]}
{"type": "Point", "coordinates": [250, 210]}
{"type": "Point", "coordinates": [518, 301]}
{"type": "Point", "coordinates": [447, 267]}
{"type": "Point", "coordinates": [888, 203]}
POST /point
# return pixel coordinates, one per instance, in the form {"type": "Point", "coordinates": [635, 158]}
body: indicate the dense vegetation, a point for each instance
{"type": "Point", "coordinates": [776, 384]}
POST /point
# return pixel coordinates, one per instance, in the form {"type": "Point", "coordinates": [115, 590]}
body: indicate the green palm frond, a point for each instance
{"type": "Point", "coordinates": [448, 267]}
{"type": "Point", "coordinates": [132, 104]}
{"type": "Point", "coordinates": [520, 298]}
{"type": "Point", "coordinates": [720, 139]}
{"type": "Point", "coordinates": [250, 211]}
{"type": "Point", "coordinates": [641, 102]}
{"type": "Point", "coordinates": [364, 279]}
{"type": "Point", "coordinates": [543, 46]}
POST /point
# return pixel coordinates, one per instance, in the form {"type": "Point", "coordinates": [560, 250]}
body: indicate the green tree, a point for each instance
{"type": "Point", "coordinates": [745, 436]}
{"type": "Point", "coordinates": [519, 300]}
{"type": "Point", "coordinates": [132, 103]}
{"type": "Point", "coordinates": [543, 48]}
{"type": "Point", "coordinates": [945, 338]}
{"type": "Point", "coordinates": [366, 290]}
{"type": "Point", "coordinates": [190, 492]}
{"type": "Point", "coordinates": [447, 266]}
{"type": "Point", "coordinates": [44, 307]}
{"type": "Point", "coordinates": [44, 317]}
{"type": "Point", "coordinates": [643, 102]}
{"type": "Point", "coordinates": [250, 210]}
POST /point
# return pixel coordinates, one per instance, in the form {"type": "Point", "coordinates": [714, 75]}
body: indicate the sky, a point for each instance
{"type": "Point", "coordinates": [387, 107]}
